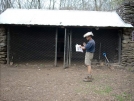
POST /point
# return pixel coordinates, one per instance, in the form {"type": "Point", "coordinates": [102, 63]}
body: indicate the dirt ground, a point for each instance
{"type": "Point", "coordinates": [40, 83]}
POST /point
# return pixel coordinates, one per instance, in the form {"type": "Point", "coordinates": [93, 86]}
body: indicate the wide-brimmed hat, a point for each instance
{"type": "Point", "coordinates": [88, 34]}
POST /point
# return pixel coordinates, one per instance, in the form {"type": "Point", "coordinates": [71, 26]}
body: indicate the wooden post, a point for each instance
{"type": "Point", "coordinates": [119, 47]}
{"type": "Point", "coordinates": [67, 64]}
{"type": "Point", "coordinates": [64, 64]}
{"type": "Point", "coordinates": [8, 46]}
{"type": "Point", "coordinates": [56, 42]}
{"type": "Point", "coordinates": [70, 48]}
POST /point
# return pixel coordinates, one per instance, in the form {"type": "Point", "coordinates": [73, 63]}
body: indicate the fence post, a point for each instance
{"type": "Point", "coordinates": [8, 46]}
{"type": "Point", "coordinates": [70, 48]}
{"type": "Point", "coordinates": [56, 42]}
{"type": "Point", "coordinates": [119, 47]}
{"type": "Point", "coordinates": [65, 48]}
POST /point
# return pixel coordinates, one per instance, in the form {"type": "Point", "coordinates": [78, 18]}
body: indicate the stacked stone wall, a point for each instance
{"type": "Point", "coordinates": [3, 46]}
{"type": "Point", "coordinates": [127, 48]}
{"type": "Point", "coordinates": [126, 11]}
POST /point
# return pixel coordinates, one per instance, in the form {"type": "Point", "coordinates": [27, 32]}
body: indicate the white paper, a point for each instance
{"type": "Point", "coordinates": [78, 48]}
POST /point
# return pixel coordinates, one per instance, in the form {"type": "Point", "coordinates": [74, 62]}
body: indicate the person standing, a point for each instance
{"type": "Point", "coordinates": [90, 49]}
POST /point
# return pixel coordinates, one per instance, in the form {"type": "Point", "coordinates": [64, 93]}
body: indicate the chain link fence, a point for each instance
{"type": "Point", "coordinates": [32, 45]}
{"type": "Point", "coordinates": [106, 42]}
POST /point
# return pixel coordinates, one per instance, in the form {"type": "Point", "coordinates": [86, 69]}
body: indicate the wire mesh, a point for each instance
{"type": "Point", "coordinates": [106, 42]}
{"type": "Point", "coordinates": [32, 44]}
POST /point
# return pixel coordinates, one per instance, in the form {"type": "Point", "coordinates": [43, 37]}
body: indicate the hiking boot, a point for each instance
{"type": "Point", "coordinates": [88, 78]}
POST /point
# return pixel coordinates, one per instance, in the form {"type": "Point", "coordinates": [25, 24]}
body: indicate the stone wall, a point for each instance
{"type": "Point", "coordinates": [126, 11]}
{"type": "Point", "coordinates": [3, 49]}
{"type": "Point", "coordinates": [127, 48]}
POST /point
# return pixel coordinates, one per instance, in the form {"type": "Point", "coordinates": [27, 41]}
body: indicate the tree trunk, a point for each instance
{"type": "Point", "coordinates": [53, 4]}
{"type": "Point", "coordinates": [39, 4]}
{"type": "Point", "coordinates": [83, 4]}
{"type": "Point", "coordinates": [96, 7]}
{"type": "Point", "coordinates": [19, 3]}
{"type": "Point", "coordinates": [50, 4]}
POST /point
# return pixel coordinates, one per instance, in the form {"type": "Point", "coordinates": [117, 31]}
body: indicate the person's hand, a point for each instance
{"type": "Point", "coordinates": [83, 48]}
{"type": "Point", "coordinates": [84, 44]}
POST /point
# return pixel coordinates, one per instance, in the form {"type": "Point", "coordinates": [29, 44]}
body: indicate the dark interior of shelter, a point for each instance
{"type": "Point", "coordinates": [32, 43]}
{"type": "Point", "coordinates": [60, 44]}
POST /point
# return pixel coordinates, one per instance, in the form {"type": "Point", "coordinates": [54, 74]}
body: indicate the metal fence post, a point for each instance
{"type": "Point", "coordinates": [56, 42]}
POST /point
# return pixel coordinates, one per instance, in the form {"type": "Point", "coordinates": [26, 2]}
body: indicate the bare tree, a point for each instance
{"type": "Point", "coordinates": [54, 4]}
{"type": "Point", "coordinates": [4, 4]}
{"type": "Point", "coordinates": [97, 5]}
{"type": "Point", "coordinates": [39, 4]}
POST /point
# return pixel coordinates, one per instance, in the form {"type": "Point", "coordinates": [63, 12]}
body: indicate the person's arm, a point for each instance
{"type": "Point", "coordinates": [83, 47]}
{"type": "Point", "coordinates": [88, 45]}
{"type": "Point", "coordinates": [84, 44]}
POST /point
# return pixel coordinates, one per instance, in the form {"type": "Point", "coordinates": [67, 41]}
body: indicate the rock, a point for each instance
{"type": "Point", "coordinates": [2, 59]}
{"type": "Point", "coordinates": [132, 45]}
{"type": "Point", "coordinates": [124, 45]}
{"type": "Point", "coordinates": [125, 41]}
{"type": "Point", "coordinates": [132, 4]}
{"type": "Point", "coordinates": [3, 48]}
{"type": "Point", "coordinates": [2, 37]}
{"type": "Point", "coordinates": [2, 44]}
{"type": "Point", "coordinates": [126, 37]}
{"type": "Point", "coordinates": [3, 62]}
{"type": "Point", "coordinates": [11, 63]}
{"type": "Point", "coordinates": [2, 56]}
{"type": "Point", "coordinates": [129, 60]}
{"type": "Point", "coordinates": [2, 53]}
